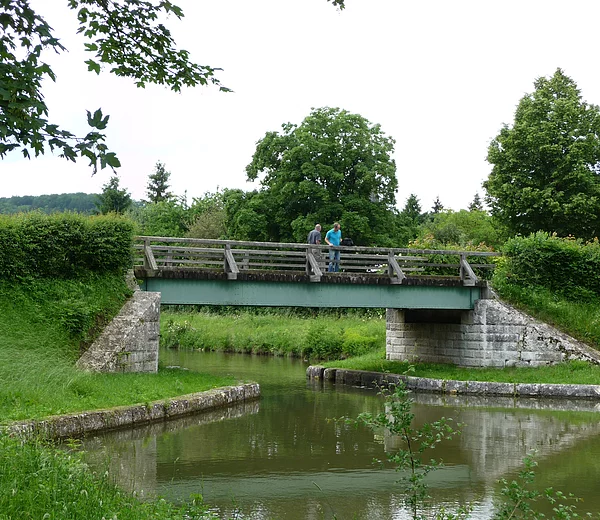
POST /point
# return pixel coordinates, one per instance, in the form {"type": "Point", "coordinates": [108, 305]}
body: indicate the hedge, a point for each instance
{"type": "Point", "coordinates": [63, 245]}
{"type": "Point", "coordinates": [566, 265]}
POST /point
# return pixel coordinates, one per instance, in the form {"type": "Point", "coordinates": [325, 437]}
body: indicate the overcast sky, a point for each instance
{"type": "Point", "coordinates": [439, 76]}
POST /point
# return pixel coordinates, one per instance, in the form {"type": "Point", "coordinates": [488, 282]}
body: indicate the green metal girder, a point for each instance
{"type": "Point", "coordinates": [286, 294]}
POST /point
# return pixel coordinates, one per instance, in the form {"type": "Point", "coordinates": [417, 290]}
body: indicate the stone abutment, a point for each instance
{"type": "Point", "coordinates": [493, 334]}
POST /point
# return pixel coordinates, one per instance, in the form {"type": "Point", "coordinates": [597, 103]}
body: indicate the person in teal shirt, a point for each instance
{"type": "Point", "coordinates": [333, 238]}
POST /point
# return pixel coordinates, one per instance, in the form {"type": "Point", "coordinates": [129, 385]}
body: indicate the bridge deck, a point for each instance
{"type": "Point", "coordinates": [194, 271]}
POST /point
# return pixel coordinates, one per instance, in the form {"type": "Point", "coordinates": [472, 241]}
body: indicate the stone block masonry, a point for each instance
{"type": "Point", "coordinates": [130, 341]}
{"type": "Point", "coordinates": [494, 334]}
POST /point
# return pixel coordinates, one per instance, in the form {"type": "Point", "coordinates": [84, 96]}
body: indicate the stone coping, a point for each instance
{"type": "Point", "coordinates": [79, 424]}
{"type": "Point", "coordinates": [441, 386]}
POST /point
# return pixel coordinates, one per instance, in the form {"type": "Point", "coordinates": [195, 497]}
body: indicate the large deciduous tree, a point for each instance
{"type": "Point", "coordinates": [334, 166]}
{"type": "Point", "coordinates": [546, 167]}
{"type": "Point", "coordinates": [126, 35]}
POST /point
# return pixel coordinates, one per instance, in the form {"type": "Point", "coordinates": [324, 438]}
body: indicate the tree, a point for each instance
{"type": "Point", "coordinates": [333, 166]}
{"type": "Point", "coordinates": [409, 220]}
{"type": "Point", "coordinates": [545, 168]}
{"type": "Point", "coordinates": [476, 204]}
{"type": "Point", "coordinates": [113, 199]}
{"type": "Point", "coordinates": [437, 206]}
{"type": "Point", "coordinates": [127, 35]}
{"type": "Point", "coordinates": [158, 184]}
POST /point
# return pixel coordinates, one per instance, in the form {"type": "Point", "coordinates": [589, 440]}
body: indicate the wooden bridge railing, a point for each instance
{"type": "Point", "coordinates": [234, 257]}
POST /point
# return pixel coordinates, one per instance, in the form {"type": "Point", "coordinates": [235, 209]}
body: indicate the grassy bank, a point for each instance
{"type": "Point", "coordinates": [43, 324]}
{"type": "Point", "coordinates": [580, 319]}
{"type": "Point", "coordinates": [574, 372]}
{"type": "Point", "coordinates": [328, 335]}
{"type": "Point", "coordinates": [38, 481]}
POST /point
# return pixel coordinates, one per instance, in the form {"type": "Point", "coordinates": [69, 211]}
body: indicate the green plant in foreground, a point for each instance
{"type": "Point", "coordinates": [519, 499]}
{"type": "Point", "coordinates": [397, 420]}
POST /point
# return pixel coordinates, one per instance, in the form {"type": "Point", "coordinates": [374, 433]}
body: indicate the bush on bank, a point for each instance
{"type": "Point", "coordinates": [566, 266]}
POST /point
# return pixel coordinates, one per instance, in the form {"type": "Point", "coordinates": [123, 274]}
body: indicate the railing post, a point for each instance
{"type": "Point", "coordinates": [313, 269]}
{"type": "Point", "coordinates": [467, 275]}
{"type": "Point", "coordinates": [229, 264]}
{"type": "Point", "coordinates": [149, 260]}
{"type": "Point", "coordinates": [394, 271]}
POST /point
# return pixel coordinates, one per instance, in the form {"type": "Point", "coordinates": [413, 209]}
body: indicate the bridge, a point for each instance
{"type": "Point", "coordinates": [436, 301]}
{"type": "Point", "coordinates": [227, 272]}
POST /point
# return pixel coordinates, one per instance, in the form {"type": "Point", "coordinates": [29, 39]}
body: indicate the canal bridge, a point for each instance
{"type": "Point", "coordinates": [437, 301]}
{"type": "Point", "coordinates": [226, 272]}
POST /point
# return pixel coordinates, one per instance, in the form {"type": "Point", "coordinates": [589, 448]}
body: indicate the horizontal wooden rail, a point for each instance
{"type": "Point", "coordinates": [234, 257]}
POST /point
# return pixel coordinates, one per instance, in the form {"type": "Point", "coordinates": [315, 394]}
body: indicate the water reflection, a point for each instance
{"type": "Point", "coordinates": [281, 457]}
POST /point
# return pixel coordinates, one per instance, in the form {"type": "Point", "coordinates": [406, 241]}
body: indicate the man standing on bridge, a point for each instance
{"type": "Point", "coordinates": [314, 237]}
{"type": "Point", "coordinates": [333, 238]}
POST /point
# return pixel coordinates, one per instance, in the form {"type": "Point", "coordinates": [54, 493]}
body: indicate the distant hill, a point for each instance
{"type": "Point", "coordinates": [77, 202]}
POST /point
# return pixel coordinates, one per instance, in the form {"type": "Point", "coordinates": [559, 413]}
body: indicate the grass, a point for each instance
{"type": "Point", "coordinates": [324, 335]}
{"type": "Point", "coordinates": [40, 481]}
{"type": "Point", "coordinates": [573, 372]}
{"type": "Point", "coordinates": [43, 323]}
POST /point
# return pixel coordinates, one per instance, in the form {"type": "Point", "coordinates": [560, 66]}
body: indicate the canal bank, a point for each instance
{"type": "Point", "coordinates": [368, 379]}
{"type": "Point", "coordinates": [80, 424]}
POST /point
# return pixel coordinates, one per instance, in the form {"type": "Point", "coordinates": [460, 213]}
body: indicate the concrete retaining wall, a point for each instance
{"type": "Point", "coordinates": [76, 425]}
{"type": "Point", "coordinates": [440, 386]}
{"type": "Point", "coordinates": [494, 334]}
{"type": "Point", "coordinates": [130, 341]}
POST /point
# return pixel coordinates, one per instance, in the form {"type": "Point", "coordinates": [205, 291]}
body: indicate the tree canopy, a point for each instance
{"type": "Point", "coordinates": [334, 166]}
{"type": "Point", "coordinates": [546, 166]}
{"type": "Point", "coordinates": [126, 35]}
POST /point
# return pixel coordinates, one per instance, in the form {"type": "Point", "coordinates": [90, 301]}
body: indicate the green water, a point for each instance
{"type": "Point", "coordinates": [282, 457]}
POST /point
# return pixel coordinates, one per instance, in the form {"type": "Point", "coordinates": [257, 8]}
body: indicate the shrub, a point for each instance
{"type": "Point", "coordinates": [564, 265]}
{"type": "Point", "coordinates": [63, 245]}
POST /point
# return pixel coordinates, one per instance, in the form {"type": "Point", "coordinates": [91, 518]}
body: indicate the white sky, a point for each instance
{"type": "Point", "coordinates": [439, 76]}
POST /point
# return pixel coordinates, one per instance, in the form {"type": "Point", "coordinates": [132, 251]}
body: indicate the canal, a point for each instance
{"type": "Point", "coordinates": [284, 457]}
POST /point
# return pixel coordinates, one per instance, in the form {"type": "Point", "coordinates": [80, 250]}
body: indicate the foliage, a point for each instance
{"type": "Point", "coordinates": [112, 199]}
{"type": "Point", "coordinates": [546, 166]}
{"type": "Point", "coordinates": [63, 245]}
{"type": "Point", "coordinates": [126, 35]}
{"type": "Point", "coordinates": [334, 166]}
{"type": "Point", "coordinates": [157, 188]}
{"type": "Point", "coordinates": [167, 218]}
{"type": "Point", "coordinates": [39, 481]}
{"type": "Point", "coordinates": [563, 265]}
{"type": "Point", "coordinates": [520, 500]}
{"type": "Point", "coordinates": [409, 220]}
{"type": "Point", "coordinates": [78, 202]}
{"type": "Point", "coordinates": [437, 206]}
{"type": "Point", "coordinates": [409, 457]}
{"type": "Point", "coordinates": [476, 204]}
{"type": "Point", "coordinates": [440, 259]}
{"type": "Point", "coordinates": [462, 229]}
{"type": "Point", "coordinates": [209, 216]}
{"type": "Point", "coordinates": [247, 216]}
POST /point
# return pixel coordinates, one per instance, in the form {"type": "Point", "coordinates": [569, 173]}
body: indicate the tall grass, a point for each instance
{"type": "Point", "coordinates": [328, 336]}
{"type": "Point", "coordinates": [39, 481]}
